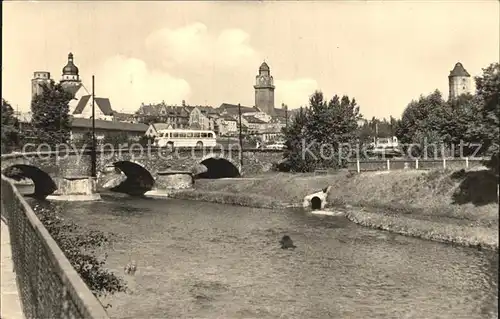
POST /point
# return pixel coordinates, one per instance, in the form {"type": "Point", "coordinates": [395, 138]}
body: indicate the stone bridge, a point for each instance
{"type": "Point", "coordinates": [141, 166]}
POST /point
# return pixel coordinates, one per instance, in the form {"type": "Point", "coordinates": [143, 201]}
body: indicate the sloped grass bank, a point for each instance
{"type": "Point", "coordinates": [459, 207]}
{"type": "Point", "coordinates": [463, 197]}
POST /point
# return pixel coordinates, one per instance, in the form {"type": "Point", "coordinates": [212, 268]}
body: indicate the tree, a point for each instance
{"type": "Point", "coordinates": [295, 133]}
{"type": "Point", "coordinates": [51, 114]}
{"type": "Point", "coordinates": [85, 140]}
{"type": "Point", "coordinates": [10, 132]}
{"type": "Point", "coordinates": [116, 139]}
{"type": "Point", "coordinates": [458, 115]}
{"type": "Point", "coordinates": [146, 140]}
{"type": "Point", "coordinates": [79, 246]}
{"type": "Point", "coordinates": [421, 125]}
{"type": "Point", "coordinates": [486, 128]}
{"type": "Point", "coordinates": [318, 136]}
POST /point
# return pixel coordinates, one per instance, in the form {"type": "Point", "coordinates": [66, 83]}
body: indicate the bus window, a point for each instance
{"type": "Point", "coordinates": [182, 135]}
{"type": "Point", "coordinates": [204, 134]}
{"type": "Point", "coordinates": [189, 135]}
{"type": "Point", "coordinates": [210, 135]}
{"type": "Point", "coordinates": [175, 134]}
{"type": "Point", "coordinates": [196, 134]}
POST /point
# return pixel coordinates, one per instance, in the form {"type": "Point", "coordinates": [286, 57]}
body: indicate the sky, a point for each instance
{"type": "Point", "coordinates": [382, 53]}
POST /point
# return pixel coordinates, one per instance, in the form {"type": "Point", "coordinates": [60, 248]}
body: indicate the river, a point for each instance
{"type": "Point", "coordinates": [204, 260]}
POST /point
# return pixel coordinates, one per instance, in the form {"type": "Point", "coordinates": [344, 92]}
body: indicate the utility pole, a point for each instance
{"type": "Point", "coordinates": [286, 114]}
{"type": "Point", "coordinates": [93, 155]}
{"type": "Point", "coordinates": [241, 142]}
{"type": "Point", "coordinates": [18, 116]}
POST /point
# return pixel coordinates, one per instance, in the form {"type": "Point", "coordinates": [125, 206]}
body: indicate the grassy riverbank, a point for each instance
{"type": "Point", "coordinates": [458, 207]}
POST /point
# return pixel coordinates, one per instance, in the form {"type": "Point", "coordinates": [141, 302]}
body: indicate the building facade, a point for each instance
{"type": "Point", "coordinates": [459, 81]}
{"type": "Point", "coordinates": [173, 115]}
{"type": "Point", "coordinates": [82, 126]}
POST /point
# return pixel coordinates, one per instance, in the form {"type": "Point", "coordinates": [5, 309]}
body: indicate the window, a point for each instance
{"type": "Point", "coordinates": [204, 134]}
{"type": "Point", "coordinates": [182, 135]}
{"type": "Point", "coordinates": [175, 134]}
{"type": "Point", "coordinates": [188, 135]}
{"type": "Point", "coordinates": [196, 135]}
{"type": "Point", "coordinates": [210, 135]}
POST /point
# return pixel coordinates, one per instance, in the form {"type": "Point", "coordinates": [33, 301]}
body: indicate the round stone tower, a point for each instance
{"type": "Point", "coordinates": [40, 78]}
{"type": "Point", "coordinates": [459, 81]}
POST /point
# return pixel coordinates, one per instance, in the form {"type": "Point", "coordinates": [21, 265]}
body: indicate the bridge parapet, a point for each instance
{"type": "Point", "coordinates": [49, 286]}
{"type": "Point", "coordinates": [78, 162]}
{"type": "Point", "coordinates": [140, 165]}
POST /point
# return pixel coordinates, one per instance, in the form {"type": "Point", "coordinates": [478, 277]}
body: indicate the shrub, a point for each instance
{"type": "Point", "coordinates": [78, 245]}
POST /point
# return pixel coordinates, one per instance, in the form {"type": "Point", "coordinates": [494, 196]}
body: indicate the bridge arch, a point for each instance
{"type": "Point", "coordinates": [219, 167]}
{"type": "Point", "coordinates": [139, 179]}
{"type": "Point", "coordinates": [44, 184]}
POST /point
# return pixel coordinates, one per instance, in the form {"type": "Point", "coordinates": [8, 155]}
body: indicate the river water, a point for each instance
{"type": "Point", "coordinates": [204, 260]}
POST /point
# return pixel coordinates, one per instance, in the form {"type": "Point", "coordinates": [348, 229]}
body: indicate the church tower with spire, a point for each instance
{"type": "Point", "coordinates": [70, 78]}
{"type": "Point", "coordinates": [458, 81]}
{"type": "Point", "coordinates": [264, 90]}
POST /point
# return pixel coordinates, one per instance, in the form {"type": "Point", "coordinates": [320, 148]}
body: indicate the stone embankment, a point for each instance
{"type": "Point", "coordinates": [458, 207]}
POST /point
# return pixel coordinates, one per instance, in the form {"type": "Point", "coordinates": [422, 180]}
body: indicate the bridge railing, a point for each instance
{"type": "Point", "coordinates": [421, 164]}
{"type": "Point", "coordinates": [49, 287]}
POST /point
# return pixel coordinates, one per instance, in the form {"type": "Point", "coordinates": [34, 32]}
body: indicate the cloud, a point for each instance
{"type": "Point", "coordinates": [128, 82]}
{"type": "Point", "coordinates": [294, 93]}
{"type": "Point", "coordinates": [194, 46]}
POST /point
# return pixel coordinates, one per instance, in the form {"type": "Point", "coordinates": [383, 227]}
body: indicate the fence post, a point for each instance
{"type": "Point", "coordinates": [388, 165]}
{"type": "Point", "coordinates": [357, 165]}
{"type": "Point", "coordinates": [467, 162]}
{"type": "Point", "coordinates": [444, 162]}
{"type": "Point", "coordinates": [416, 163]}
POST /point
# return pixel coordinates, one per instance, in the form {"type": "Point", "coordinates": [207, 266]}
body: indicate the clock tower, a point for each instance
{"type": "Point", "coordinates": [264, 90]}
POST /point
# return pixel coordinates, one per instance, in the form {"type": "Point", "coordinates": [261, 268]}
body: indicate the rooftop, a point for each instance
{"type": "Point", "coordinates": [103, 104]}
{"type": "Point", "coordinates": [233, 109]}
{"type": "Point", "coordinates": [459, 70]}
{"type": "Point", "coordinates": [108, 125]}
{"type": "Point", "coordinates": [252, 119]}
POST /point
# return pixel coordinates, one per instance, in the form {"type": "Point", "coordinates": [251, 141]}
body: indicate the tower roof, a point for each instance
{"type": "Point", "coordinates": [264, 67]}
{"type": "Point", "coordinates": [70, 68]}
{"type": "Point", "coordinates": [459, 70]}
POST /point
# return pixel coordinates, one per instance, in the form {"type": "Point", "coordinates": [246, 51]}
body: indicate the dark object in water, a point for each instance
{"type": "Point", "coordinates": [286, 242]}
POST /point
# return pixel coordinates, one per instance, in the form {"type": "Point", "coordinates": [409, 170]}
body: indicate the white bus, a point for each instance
{"type": "Point", "coordinates": [185, 138]}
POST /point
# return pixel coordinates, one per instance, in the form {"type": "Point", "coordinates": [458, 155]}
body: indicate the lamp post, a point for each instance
{"type": "Point", "coordinates": [93, 154]}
